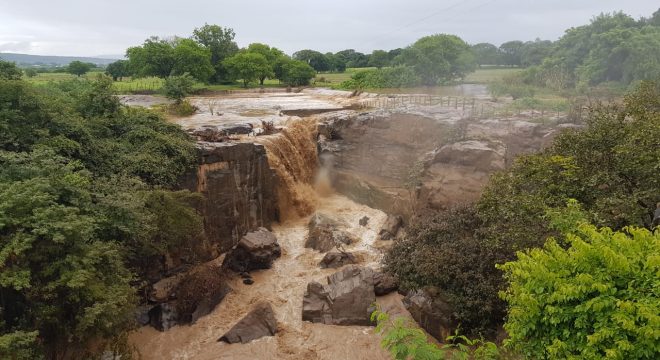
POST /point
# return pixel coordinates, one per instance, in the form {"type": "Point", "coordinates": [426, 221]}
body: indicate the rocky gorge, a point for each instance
{"type": "Point", "coordinates": [297, 221]}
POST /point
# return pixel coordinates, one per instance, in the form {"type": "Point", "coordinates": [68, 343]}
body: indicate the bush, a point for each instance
{"type": "Point", "coordinates": [595, 299]}
{"type": "Point", "coordinates": [182, 108]}
{"type": "Point", "coordinates": [396, 77]}
{"type": "Point", "coordinates": [446, 251]}
{"type": "Point", "coordinates": [511, 85]}
{"type": "Point", "coordinates": [178, 87]}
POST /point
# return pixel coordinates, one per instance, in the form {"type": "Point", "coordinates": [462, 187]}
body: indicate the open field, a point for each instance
{"type": "Point", "coordinates": [487, 75]}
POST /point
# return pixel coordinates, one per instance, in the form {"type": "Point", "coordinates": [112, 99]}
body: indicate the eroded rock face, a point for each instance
{"type": "Point", "coordinates": [240, 193]}
{"type": "Point", "coordinates": [391, 227]}
{"type": "Point", "coordinates": [336, 259]}
{"type": "Point", "coordinates": [256, 250]}
{"type": "Point", "coordinates": [256, 324]}
{"type": "Point", "coordinates": [384, 283]}
{"type": "Point", "coordinates": [345, 300]}
{"type": "Point", "coordinates": [431, 312]}
{"type": "Point", "coordinates": [324, 234]}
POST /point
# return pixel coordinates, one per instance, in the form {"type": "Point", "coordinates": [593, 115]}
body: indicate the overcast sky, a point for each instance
{"type": "Point", "coordinates": [103, 27]}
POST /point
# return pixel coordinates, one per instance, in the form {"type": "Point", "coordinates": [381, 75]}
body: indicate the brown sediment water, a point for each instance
{"type": "Point", "coordinates": [293, 155]}
{"type": "Point", "coordinates": [283, 287]}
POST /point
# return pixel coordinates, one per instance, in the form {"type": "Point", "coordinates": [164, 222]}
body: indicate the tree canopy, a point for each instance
{"type": "Point", "coordinates": [79, 68]}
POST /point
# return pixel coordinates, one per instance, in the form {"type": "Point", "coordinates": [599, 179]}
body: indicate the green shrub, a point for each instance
{"type": "Point", "coordinates": [404, 340]}
{"type": "Point", "coordinates": [395, 77]}
{"type": "Point", "coordinates": [183, 108]}
{"type": "Point", "coordinates": [178, 87]}
{"type": "Point", "coordinates": [596, 299]}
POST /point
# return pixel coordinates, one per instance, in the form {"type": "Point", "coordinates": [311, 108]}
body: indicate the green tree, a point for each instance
{"type": "Point", "coordinates": [79, 68]}
{"type": "Point", "coordinates": [486, 54]}
{"type": "Point", "coordinates": [9, 71]}
{"type": "Point", "coordinates": [439, 58]}
{"type": "Point", "coordinates": [177, 87]}
{"type": "Point", "coordinates": [154, 58]}
{"type": "Point", "coordinates": [594, 299]}
{"type": "Point", "coordinates": [220, 42]}
{"type": "Point", "coordinates": [512, 52]}
{"type": "Point", "coordinates": [272, 55]}
{"type": "Point", "coordinates": [314, 58]}
{"type": "Point", "coordinates": [248, 67]}
{"type": "Point", "coordinates": [297, 73]}
{"type": "Point", "coordinates": [193, 59]}
{"type": "Point", "coordinates": [31, 73]}
{"type": "Point", "coordinates": [379, 59]}
{"type": "Point", "coordinates": [118, 70]}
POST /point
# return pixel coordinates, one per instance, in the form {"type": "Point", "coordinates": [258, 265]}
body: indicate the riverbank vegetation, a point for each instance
{"type": "Point", "coordinates": [86, 212]}
{"type": "Point", "coordinates": [610, 169]}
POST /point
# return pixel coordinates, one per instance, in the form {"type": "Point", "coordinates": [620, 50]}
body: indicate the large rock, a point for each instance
{"type": "Point", "coordinates": [486, 156]}
{"type": "Point", "coordinates": [240, 193]}
{"type": "Point", "coordinates": [163, 316]}
{"type": "Point", "coordinates": [336, 259]}
{"type": "Point", "coordinates": [256, 324]}
{"type": "Point", "coordinates": [200, 292]}
{"type": "Point", "coordinates": [431, 311]}
{"type": "Point", "coordinates": [384, 283]}
{"type": "Point", "coordinates": [346, 299]}
{"type": "Point", "coordinates": [391, 227]}
{"type": "Point", "coordinates": [256, 250]}
{"type": "Point", "coordinates": [324, 234]}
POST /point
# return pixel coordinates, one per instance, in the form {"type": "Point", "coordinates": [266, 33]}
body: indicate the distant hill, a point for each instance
{"type": "Point", "coordinates": [28, 60]}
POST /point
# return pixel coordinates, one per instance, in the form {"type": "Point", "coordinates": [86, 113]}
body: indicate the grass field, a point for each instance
{"type": "Point", "coordinates": [487, 75]}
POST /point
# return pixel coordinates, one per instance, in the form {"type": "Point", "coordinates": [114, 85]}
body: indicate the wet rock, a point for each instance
{"type": "Point", "coordinates": [163, 316]}
{"type": "Point", "coordinates": [200, 292]}
{"type": "Point", "coordinates": [391, 227]}
{"type": "Point", "coordinates": [256, 250]}
{"type": "Point", "coordinates": [431, 311]}
{"type": "Point", "coordinates": [486, 156]}
{"type": "Point", "coordinates": [256, 324]}
{"type": "Point", "coordinates": [239, 194]}
{"type": "Point", "coordinates": [384, 283]}
{"type": "Point", "coordinates": [248, 281]}
{"type": "Point", "coordinates": [142, 315]}
{"type": "Point", "coordinates": [336, 259]}
{"type": "Point", "coordinates": [346, 299]}
{"type": "Point", "coordinates": [324, 234]}
{"type": "Point", "coordinates": [364, 221]}
{"type": "Point", "coordinates": [164, 289]}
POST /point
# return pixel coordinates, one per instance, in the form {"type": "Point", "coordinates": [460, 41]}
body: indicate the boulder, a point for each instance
{"type": "Point", "coordinates": [391, 227]}
{"type": "Point", "coordinates": [336, 259]}
{"type": "Point", "coordinates": [256, 324]}
{"type": "Point", "coordinates": [484, 156]}
{"type": "Point", "coordinates": [256, 250]}
{"type": "Point", "coordinates": [163, 316]}
{"type": "Point", "coordinates": [347, 299]}
{"type": "Point", "coordinates": [384, 283]}
{"type": "Point", "coordinates": [324, 234]}
{"type": "Point", "coordinates": [431, 311]}
{"type": "Point", "coordinates": [200, 292]}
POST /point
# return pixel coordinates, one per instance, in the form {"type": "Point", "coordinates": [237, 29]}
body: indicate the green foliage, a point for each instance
{"type": "Point", "coordinates": [314, 58]}
{"type": "Point", "coordinates": [31, 72]}
{"type": "Point", "coordinates": [193, 59]}
{"type": "Point", "coordinates": [248, 67]}
{"type": "Point", "coordinates": [379, 59]}
{"type": "Point", "coordinates": [394, 77]}
{"type": "Point", "coordinates": [154, 58]}
{"type": "Point", "coordinates": [274, 56]}
{"type": "Point", "coordinates": [406, 341]}
{"type": "Point", "coordinates": [438, 58]}
{"type": "Point", "coordinates": [177, 87]}
{"type": "Point", "coordinates": [80, 216]}
{"type": "Point", "coordinates": [513, 86]}
{"type": "Point", "coordinates": [79, 68]}
{"type": "Point", "coordinates": [118, 70]}
{"type": "Point", "coordinates": [598, 298]}
{"type": "Point", "coordinates": [610, 167]}
{"type": "Point", "coordinates": [220, 42]}
{"type": "Point", "coordinates": [9, 71]}
{"type": "Point", "coordinates": [297, 73]}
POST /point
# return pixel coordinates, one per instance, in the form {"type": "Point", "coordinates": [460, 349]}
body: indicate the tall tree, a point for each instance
{"type": "Point", "coordinates": [192, 58]}
{"type": "Point", "coordinates": [439, 58]}
{"type": "Point", "coordinates": [154, 58]}
{"type": "Point", "coordinates": [9, 71]}
{"type": "Point", "coordinates": [220, 41]}
{"type": "Point", "coordinates": [486, 54]}
{"type": "Point", "coordinates": [118, 69]}
{"type": "Point", "coordinates": [79, 68]}
{"type": "Point", "coordinates": [248, 67]}
{"type": "Point", "coordinates": [314, 58]}
{"type": "Point", "coordinates": [511, 52]}
{"type": "Point", "coordinates": [272, 55]}
{"type": "Point", "coordinates": [379, 59]}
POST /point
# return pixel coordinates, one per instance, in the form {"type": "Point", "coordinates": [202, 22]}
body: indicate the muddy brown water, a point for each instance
{"type": "Point", "coordinates": [283, 286]}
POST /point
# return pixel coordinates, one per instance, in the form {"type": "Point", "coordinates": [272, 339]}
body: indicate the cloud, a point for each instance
{"type": "Point", "coordinates": [16, 46]}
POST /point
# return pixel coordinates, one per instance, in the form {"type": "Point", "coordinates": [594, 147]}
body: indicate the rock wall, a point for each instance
{"type": "Point", "coordinates": [401, 162]}
{"type": "Point", "coordinates": [240, 192]}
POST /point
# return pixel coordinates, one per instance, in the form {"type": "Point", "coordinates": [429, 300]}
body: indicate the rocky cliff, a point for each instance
{"type": "Point", "coordinates": [240, 192]}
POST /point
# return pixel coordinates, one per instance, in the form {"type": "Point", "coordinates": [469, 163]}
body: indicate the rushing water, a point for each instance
{"type": "Point", "coordinates": [292, 153]}
{"type": "Point", "coordinates": [283, 286]}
